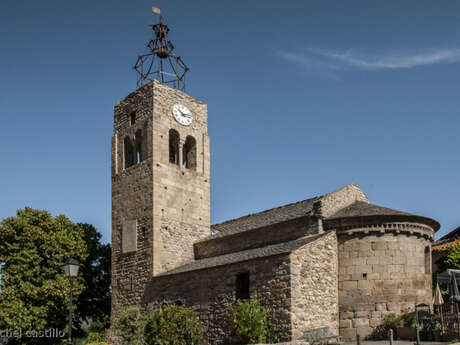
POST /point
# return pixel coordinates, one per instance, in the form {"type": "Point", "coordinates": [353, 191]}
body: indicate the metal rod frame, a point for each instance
{"type": "Point", "coordinates": [150, 65]}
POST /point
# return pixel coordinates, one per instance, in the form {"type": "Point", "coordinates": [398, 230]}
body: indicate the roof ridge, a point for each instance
{"type": "Point", "coordinates": [269, 210]}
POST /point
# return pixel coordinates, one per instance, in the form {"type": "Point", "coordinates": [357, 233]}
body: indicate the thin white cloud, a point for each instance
{"type": "Point", "coordinates": [338, 60]}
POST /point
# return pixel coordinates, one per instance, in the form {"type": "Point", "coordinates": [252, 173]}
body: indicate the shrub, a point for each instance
{"type": "Point", "coordinates": [96, 330]}
{"type": "Point", "coordinates": [173, 325]}
{"type": "Point", "coordinates": [249, 320]}
{"type": "Point", "coordinates": [391, 321]}
{"type": "Point", "coordinates": [129, 323]}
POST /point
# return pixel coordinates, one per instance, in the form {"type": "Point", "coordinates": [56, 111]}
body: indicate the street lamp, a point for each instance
{"type": "Point", "coordinates": [71, 267]}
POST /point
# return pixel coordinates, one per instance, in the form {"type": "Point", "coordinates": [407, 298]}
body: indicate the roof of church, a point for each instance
{"type": "Point", "coordinates": [365, 209]}
{"type": "Point", "coordinates": [361, 209]}
{"type": "Point", "coordinates": [265, 218]}
{"type": "Point", "coordinates": [245, 255]}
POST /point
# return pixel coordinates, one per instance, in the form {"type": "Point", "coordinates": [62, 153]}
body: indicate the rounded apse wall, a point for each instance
{"type": "Point", "coordinates": [381, 272]}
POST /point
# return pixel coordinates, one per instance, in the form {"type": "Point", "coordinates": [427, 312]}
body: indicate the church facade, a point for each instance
{"type": "Point", "coordinates": [334, 260]}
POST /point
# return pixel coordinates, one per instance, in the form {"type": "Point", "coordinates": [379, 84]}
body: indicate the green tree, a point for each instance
{"type": "Point", "coordinates": [173, 325]}
{"type": "Point", "coordinates": [449, 259]}
{"type": "Point", "coordinates": [93, 304]}
{"type": "Point", "coordinates": [129, 323]}
{"type": "Point", "coordinates": [250, 321]}
{"type": "Point", "coordinates": [34, 290]}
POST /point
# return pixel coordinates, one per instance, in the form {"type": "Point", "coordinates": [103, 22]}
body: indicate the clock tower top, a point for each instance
{"type": "Point", "coordinates": [160, 62]}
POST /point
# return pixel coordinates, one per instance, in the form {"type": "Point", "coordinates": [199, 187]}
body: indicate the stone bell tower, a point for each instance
{"type": "Point", "coordinates": [160, 176]}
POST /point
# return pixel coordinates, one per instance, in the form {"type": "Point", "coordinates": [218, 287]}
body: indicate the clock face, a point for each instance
{"type": "Point", "coordinates": [182, 114]}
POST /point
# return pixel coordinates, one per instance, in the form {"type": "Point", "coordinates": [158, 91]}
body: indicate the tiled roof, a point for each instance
{"type": "Point", "coordinates": [451, 235]}
{"type": "Point", "coordinates": [364, 209]}
{"type": "Point", "coordinates": [440, 246]}
{"type": "Point", "coordinates": [361, 209]}
{"type": "Point", "coordinates": [264, 218]}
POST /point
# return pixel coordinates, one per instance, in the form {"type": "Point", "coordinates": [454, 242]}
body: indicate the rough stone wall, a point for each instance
{"type": "Point", "coordinates": [132, 199]}
{"type": "Point", "coordinates": [380, 273]}
{"type": "Point", "coordinates": [170, 203]}
{"type": "Point", "coordinates": [181, 195]}
{"type": "Point", "coordinates": [345, 196]}
{"type": "Point", "coordinates": [277, 233]}
{"type": "Point", "coordinates": [208, 291]}
{"type": "Point", "coordinates": [314, 270]}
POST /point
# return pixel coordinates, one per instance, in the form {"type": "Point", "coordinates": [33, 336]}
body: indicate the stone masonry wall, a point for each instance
{"type": "Point", "coordinates": [345, 196]}
{"type": "Point", "coordinates": [380, 273]}
{"type": "Point", "coordinates": [276, 233]}
{"type": "Point", "coordinates": [132, 199]}
{"type": "Point", "coordinates": [314, 270]}
{"type": "Point", "coordinates": [208, 291]}
{"type": "Point", "coordinates": [181, 195]}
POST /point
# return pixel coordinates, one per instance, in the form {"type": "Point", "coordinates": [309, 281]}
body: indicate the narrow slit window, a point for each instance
{"type": "Point", "coordinates": [242, 285]}
{"type": "Point", "coordinates": [132, 118]}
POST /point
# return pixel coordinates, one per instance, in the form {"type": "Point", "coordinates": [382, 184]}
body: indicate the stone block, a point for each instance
{"type": "Point", "coordinates": [364, 331]}
{"type": "Point", "coordinates": [348, 333]}
{"type": "Point", "coordinates": [350, 285]}
{"type": "Point", "coordinates": [363, 284]}
{"type": "Point", "coordinates": [361, 322]}
{"type": "Point", "coordinates": [372, 260]}
{"type": "Point", "coordinates": [345, 323]}
{"type": "Point", "coordinates": [380, 307]}
{"type": "Point", "coordinates": [346, 315]}
{"type": "Point", "coordinates": [385, 260]}
{"type": "Point", "coordinates": [376, 314]}
{"type": "Point", "coordinates": [375, 322]}
{"type": "Point", "coordinates": [362, 314]}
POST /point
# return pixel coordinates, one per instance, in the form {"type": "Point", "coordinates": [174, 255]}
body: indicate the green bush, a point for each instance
{"type": "Point", "coordinates": [96, 330]}
{"type": "Point", "coordinates": [129, 323]}
{"type": "Point", "coordinates": [250, 321]}
{"type": "Point", "coordinates": [173, 325]}
{"type": "Point", "coordinates": [392, 321]}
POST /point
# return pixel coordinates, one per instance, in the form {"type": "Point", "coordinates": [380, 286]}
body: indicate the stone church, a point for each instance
{"type": "Point", "coordinates": [334, 260]}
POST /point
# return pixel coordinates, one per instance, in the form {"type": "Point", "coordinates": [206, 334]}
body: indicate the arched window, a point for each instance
{"type": "Point", "coordinates": [173, 146]}
{"type": "Point", "coordinates": [128, 152]}
{"type": "Point", "coordinates": [189, 153]}
{"type": "Point", "coordinates": [139, 146]}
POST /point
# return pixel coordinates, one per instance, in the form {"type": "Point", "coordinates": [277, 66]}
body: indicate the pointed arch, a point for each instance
{"type": "Point", "coordinates": [174, 146]}
{"type": "Point", "coordinates": [189, 153]}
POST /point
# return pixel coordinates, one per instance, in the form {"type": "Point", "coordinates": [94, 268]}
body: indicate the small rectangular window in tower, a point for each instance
{"type": "Point", "coordinates": [242, 285]}
{"type": "Point", "coordinates": [132, 118]}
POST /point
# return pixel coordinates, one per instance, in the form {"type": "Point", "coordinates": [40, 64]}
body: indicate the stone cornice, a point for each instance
{"type": "Point", "coordinates": [369, 225]}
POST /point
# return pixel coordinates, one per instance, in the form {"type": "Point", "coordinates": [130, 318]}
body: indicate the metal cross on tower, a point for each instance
{"type": "Point", "coordinates": [160, 63]}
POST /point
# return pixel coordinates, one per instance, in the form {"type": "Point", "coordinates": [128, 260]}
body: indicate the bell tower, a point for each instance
{"type": "Point", "coordinates": [160, 174]}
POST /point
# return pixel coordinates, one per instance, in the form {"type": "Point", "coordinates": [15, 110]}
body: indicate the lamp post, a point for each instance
{"type": "Point", "coordinates": [71, 267]}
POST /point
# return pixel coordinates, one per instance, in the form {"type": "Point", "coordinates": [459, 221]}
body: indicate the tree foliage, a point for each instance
{"type": "Point", "coordinates": [129, 323]}
{"type": "Point", "coordinates": [250, 321]}
{"type": "Point", "coordinates": [173, 325]}
{"type": "Point", "coordinates": [451, 257]}
{"type": "Point", "coordinates": [34, 291]}
{"type": "Point", "coordinates": [93, 303]}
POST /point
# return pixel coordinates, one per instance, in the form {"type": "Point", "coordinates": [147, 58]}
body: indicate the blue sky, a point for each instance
{"type": "Point", "coordinates": [303, 97]}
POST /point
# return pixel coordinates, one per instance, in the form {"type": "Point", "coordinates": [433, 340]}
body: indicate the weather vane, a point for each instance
{"type": "Point", "coordinates": [160, 63]}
